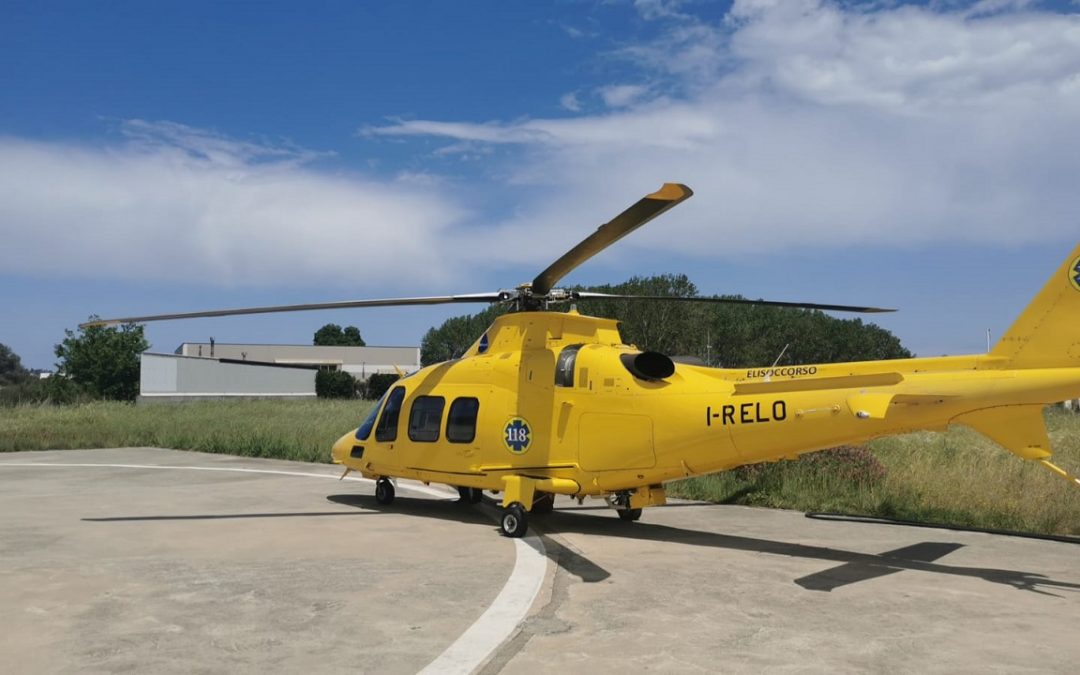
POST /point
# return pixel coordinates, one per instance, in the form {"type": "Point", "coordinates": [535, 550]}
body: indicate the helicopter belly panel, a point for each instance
{"type": "Point", "coordinates": [608, 441]}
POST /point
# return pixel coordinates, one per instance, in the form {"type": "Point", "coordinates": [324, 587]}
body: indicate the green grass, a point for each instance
{"type": "Point", "coordinates": [296, 430]}
{"type": "Point", "coordinates": [957, 477]}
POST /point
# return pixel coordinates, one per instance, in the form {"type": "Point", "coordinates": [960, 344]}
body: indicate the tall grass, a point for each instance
{"type": "Point", "coordinates": [956, 477]}
{"type": "Point", "coordinates": [296, 430]}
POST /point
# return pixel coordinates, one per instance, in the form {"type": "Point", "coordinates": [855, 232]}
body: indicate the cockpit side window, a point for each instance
{"type": "Point", "coordinates": [564, 366]}
{"type": "Point", "coordinates": [366, 426]}
{"type": "Point", "coordinates": [388, 422]}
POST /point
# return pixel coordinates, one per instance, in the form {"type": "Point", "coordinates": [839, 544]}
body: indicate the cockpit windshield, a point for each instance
{"type": "Point", "coordinates": [365, 427]}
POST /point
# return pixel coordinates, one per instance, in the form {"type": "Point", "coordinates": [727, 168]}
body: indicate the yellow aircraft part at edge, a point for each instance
{"type": "Point", "coordinates": [560, 411]}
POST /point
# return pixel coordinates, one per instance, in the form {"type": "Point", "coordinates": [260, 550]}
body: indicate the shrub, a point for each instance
{"type": "Point", "coordinates": [57, 389]}
{"type": "Point", "coordinates": [845, 463]}
{"type": "Point", "coordinates": [378, 383]}
{"type": "Point", "coordinates": [335, 384]}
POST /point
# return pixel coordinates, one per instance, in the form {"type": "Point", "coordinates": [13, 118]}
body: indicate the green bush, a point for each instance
{"type": "Point", "coordinates": [834, 479]}
{"type": "Point", "coordinates": [335, 384]}
{"type": "Point", "coordinates": [846, 463]}
{"type": "Point", "coordinates": [25, 392]}
{"type": "Point", "coordinates": [57, 390]}
{"type": "Point", "coordinates": [377, 385]}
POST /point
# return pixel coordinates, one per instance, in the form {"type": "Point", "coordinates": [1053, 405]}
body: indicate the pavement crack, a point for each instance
{"type": "Point", "coordinates": [545, 621]}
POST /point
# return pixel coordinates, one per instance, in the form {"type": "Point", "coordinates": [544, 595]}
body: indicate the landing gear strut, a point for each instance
{"type": "Point", "coordinates": [543, 502]}
{"type": "Point", "coordinates": [469, 495]}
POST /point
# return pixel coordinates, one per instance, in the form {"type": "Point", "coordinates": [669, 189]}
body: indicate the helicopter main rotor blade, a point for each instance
{"type": "Point", "coordinates": [389, 302]}
{"type": "Point", "coordinates": [646, 208]}
{"type": "Point", "coordinates": [589, 295]}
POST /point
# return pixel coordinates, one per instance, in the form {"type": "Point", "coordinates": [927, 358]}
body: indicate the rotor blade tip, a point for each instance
{"type": "Point", "coordinates": [672, 192]}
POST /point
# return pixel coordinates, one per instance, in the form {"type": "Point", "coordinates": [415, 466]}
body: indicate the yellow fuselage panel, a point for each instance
{"type": "Point", "coordinates": [605, 429]}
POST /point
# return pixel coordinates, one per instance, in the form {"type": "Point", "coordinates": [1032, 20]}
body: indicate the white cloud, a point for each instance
{"type": "Point", "coordinates": [570, 102]}
{"type": "Point", "coordinates": [909, 59]}
{"type": "Point", "coordinates": [804, 124]}
{"type": "Point", "coordinates": [621, 95]}
{"type": "Point", "coordinates": [659, 9]}
{"type": "Point", "coordinates": [176, 203]}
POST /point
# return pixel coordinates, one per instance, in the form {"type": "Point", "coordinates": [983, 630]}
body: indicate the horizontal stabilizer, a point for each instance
{"type": "Point", "coordinates": [1017, 428]}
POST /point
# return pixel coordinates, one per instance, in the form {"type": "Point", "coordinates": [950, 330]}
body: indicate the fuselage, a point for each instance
{"type": "Point", "coordinates": [549, 396]}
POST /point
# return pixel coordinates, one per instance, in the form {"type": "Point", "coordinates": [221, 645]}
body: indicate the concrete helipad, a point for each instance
{"type": "Point", "coordinates": [155, 560]}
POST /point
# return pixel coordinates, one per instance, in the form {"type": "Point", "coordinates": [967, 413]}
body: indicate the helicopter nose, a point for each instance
{"type": "Point", "coordinates": [342, 447]}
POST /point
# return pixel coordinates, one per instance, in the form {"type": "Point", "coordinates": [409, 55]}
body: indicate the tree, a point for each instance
{"type": "Point", "coordinates": [674, 328]}
{"type": "Point", "coordinates": [455, 335]}
{"type": "Point", "coordinates": [332, 335]}
{"type": "Point", "coordinates": [11, 368]}
{"type": "Point", "coordinates": [103, 359]}
{"type": "Point", "coordinates": [733, 336]}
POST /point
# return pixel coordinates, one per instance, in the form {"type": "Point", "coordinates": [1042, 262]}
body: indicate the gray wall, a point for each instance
{"type": "Point", "coordinates": [359, 361]}
{"type": "Point", "coordinates": [169, 376]}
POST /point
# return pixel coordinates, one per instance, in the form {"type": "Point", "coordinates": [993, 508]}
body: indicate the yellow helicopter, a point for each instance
{"type": "Point", "coordinates": [551, 403]}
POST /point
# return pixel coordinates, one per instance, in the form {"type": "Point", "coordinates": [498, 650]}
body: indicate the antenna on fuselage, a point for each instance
{"type": "Point", "coordinates": [768, 376]}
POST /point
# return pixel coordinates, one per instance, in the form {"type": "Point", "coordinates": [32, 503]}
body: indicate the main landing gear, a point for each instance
{"type": "Point", "coordinates": [467, 495]}
{"type": "Point", "coordinates": [384, 491]}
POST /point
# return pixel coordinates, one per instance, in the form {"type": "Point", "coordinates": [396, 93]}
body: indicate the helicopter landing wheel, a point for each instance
{"type": "Point", "coordinates": [514, 522]}
{"type": "Point", "coordinates": [467, 495]}
{"type": "Point", "coordinates": [630, 515]}
{"type": "Point", "coordinates": [384, 491]}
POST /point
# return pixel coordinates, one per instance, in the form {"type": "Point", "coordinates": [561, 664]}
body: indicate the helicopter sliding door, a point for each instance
{"type": "Point", "coordinates": [442, 432]}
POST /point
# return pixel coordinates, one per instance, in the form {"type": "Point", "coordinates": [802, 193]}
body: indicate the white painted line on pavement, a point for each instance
{"type": "Point", "coordinates": [502, 617]}
{"type": "Point", "coordinates": [408, 485]}
{"type": "Point", "coordinates": [481, 639]}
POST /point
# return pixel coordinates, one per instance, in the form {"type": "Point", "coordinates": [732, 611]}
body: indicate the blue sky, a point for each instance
{"type": "Point", "coordinates": [183, 156]}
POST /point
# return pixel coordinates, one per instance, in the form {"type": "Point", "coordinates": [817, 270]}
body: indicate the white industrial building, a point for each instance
{"type": "Point", "coordinates": [360, 362]}
{"type": "Point", "coordinates": [218, 371]}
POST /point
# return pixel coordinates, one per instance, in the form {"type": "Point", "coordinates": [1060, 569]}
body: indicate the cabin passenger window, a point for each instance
{"type": "Point", "coordinates": [564, 366]}
{"type": "Point", "coordinates": [461, 422]}
{"type": "Point", "coordinates": [425, 417]}
{"type": "Point", "coordinates": [387, 429]}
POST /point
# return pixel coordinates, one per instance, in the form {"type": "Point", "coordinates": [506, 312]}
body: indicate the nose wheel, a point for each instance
{"type": "Point", "coordinates": [514, 522]}
{"type": "Point", "coordinates": [384, 491]}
